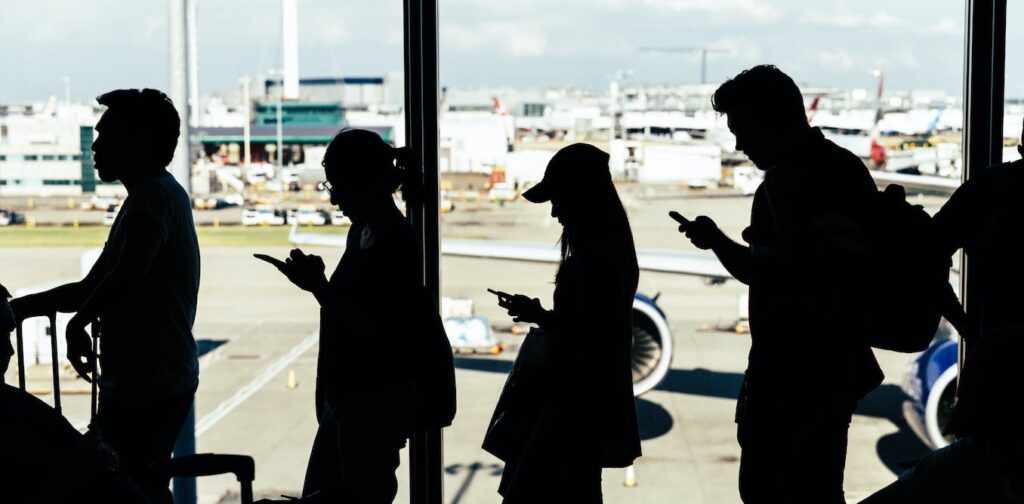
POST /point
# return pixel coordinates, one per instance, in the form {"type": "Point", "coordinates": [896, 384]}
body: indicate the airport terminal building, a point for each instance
{"type": "Point", "coordinates": [47, 152]}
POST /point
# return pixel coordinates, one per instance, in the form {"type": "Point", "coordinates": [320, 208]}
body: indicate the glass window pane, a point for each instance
{"type": "Point", "coordinates": [525, 79]}
{"type": "Point", "coordinates": [256, 331]}
{"type": "Point", "coordinates": [1014, 113]}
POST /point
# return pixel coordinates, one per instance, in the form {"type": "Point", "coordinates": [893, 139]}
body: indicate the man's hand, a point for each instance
{"type": "Point", "coordinates": [80, 348]}
{"type": "Point", "coordinates": [305, 271]}
{"type": "Point", "coordinates": [702, 231]}
{"type": "Point", "coordinates": [523, 308]}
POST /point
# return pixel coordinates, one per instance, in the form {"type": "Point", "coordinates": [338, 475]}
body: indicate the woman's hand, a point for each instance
{"type": "Point", "coordinates": [305, 271]}
{"type": "Point", "coordinates": [523, 308]}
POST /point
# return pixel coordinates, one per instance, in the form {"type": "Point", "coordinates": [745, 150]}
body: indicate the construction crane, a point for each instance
{"type": "Point", "coordinates": [702, 51]}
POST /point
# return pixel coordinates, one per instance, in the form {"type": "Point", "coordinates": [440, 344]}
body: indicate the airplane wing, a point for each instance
{"type": "Point", "coordinates": [944, 185]}
{"type": "Point", "coordinates": [704, 265]}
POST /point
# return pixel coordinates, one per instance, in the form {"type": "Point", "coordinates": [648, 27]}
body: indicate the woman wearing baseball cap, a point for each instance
{"type": "Point", "coordinates": [570, 412]}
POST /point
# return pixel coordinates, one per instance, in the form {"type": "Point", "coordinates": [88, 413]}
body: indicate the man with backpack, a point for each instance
{"type": "Point", "coordinates": [803, 252]}
{"type": "Point", "coordinates": [984, 464]}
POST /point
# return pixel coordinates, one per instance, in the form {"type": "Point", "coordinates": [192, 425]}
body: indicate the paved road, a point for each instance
{"type": "Point", "coordinates": [689, 442]}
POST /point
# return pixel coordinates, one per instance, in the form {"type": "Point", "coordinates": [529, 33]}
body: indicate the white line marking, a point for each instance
{"type": "Point", "coordinates": [244, 393]}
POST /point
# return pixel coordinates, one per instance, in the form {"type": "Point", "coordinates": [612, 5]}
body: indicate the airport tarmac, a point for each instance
{"type": "Point", "coordinates": [247, 402]}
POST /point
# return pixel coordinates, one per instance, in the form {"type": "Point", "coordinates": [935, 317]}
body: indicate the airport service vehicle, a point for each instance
{"type": "Point", "coordinates": [338, 218]}
{"type": "Point", "coordinates": [501, 191]}
{"type": "Point", "coordinates": [307, 216]}
{"type": "Point", "coordinates": [10, 217]}
{"type": "Point", "coordinates": [111, 215]}
{"type": "Point", "coordinates": [264, 215]}
{"type": "Point", "coordinates": [447, 205]}
{"type": "Point", "coordinates": [99, 203]}
{"type": "Point", "coordinates": [229, 201]}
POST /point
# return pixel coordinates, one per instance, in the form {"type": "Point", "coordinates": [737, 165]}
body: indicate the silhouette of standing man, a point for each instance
{"type": "Point", "coordinates": [802, 382]}
{"type": "Point", "coordinates": [143, 288]}
{"type": "Point", "coordinates": [984, 464]}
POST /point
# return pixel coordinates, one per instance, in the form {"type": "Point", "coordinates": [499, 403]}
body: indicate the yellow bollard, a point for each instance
{"type": "Point", "coordinates": [31, 203]}
{"type": "Point", "coordinates": [30, 223]}
{"type": "Point", "coordinates": [216, 223]}
{"type": "Point", "coordinates": [292, 382]}
{"type": "Point", "coordinates": [630, 480]}
{"type": "Point", "coordinates": [71, 203]}
{"type": "Point", "coordinates": [74, 222]}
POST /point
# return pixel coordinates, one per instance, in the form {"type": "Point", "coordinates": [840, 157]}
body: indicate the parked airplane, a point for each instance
{"type": "Point", "coordinates": [930, 382]}
{"type": "Point", "coordinates": [652, 338]}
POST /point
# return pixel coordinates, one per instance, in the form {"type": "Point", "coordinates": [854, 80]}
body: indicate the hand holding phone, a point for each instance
{"type": "Point", "coordinates": [684, 223]}
{"type": "Point", "coordinates": [521, 308]}
{"type": "Point", "coordinates": [702, 231]}
{"type": "Point", "coordinates": [272, 260]}
{"type": "Point", "coordinates": [305, 271]}
{"type": "Point", "coordinates": [503, 297]}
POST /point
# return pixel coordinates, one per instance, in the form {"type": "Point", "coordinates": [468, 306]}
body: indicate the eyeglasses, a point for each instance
{"type": "Point", "coordinates": [325, 186]}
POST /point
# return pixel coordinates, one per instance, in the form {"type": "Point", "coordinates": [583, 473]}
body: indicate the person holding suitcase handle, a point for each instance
{"type": "Point", "coordinates": [143, 287]}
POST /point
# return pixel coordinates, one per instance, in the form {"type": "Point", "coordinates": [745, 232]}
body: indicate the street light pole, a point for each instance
{"type": "Point", "coordinates": [280, 125]}
{"type": "Point", "coordinates": [246, 132]}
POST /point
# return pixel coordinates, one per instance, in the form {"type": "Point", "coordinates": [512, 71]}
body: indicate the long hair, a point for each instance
{"type": "Point", "coordinates": [605, 230]}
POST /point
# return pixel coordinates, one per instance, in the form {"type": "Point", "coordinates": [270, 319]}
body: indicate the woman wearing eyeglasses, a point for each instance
{"type": "Point", "coordinates": [385, 366]}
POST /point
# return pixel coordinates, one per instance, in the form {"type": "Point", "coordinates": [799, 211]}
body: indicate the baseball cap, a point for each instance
{"type": "Point", "coordinates": [576, 166]}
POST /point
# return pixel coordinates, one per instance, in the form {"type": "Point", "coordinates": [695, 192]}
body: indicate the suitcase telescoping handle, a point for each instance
{"type": "Point", "coordinates": [55, 360]}
{"type": "Point", "coordinates": [205, 464]}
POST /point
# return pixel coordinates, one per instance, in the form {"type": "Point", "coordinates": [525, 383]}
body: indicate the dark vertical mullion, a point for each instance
{"type": "Point", "coordinates": [984, 80]}
{"type": "Point", "coordinates": [421, 115]}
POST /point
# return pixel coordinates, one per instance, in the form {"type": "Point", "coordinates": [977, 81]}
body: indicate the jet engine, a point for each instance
{"type": "Point", "coordinates": [930, 385]}
{"type": "Point", "coordinates": [652, 344]}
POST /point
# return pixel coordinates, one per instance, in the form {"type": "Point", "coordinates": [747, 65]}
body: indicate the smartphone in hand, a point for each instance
{"type": "Point", "coordinates": [678, 217]}
{"type": "Point", "coordinates": [272, 260]}
{"type": "Point", "coordinates": [503, 297]}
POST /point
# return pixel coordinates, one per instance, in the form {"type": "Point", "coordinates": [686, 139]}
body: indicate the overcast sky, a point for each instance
{"type": "Point", "coordinates": [105, 44]}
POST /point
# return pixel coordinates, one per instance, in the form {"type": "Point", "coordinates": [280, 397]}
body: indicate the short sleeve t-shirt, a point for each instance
{"type": "Point", "coordinates": [147, 350]}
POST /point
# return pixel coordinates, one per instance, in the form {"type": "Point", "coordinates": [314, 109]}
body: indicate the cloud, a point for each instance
{"type": "Point", "coordinates": [845, 19]}
{"type": "Point", "coordinates": [741, 48]}
{"type": "Point", "coordinates": [504, 37]}
{"type": "Point", "coordinates": [840, 59]}
{"type": "Point", "coordinates": [758, 11]}
{"type": "Point", "coordinates": [946, 26]}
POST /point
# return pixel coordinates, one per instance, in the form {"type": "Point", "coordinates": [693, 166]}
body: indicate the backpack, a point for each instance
{"type": "Point", "coordinates": [905, 286]}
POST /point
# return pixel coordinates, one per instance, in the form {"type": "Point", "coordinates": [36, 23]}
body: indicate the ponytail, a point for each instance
{"type": "Point", "coordinates": [407, 182]}
{"type": "Point", "coordinates": [374, 164]}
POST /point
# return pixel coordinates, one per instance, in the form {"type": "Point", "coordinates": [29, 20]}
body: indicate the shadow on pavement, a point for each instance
{"type": "Point", "coordinates": [897, 451]}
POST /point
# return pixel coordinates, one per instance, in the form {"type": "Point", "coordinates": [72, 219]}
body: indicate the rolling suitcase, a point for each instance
{"type": "Point", "coordinates": [203, 464]}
